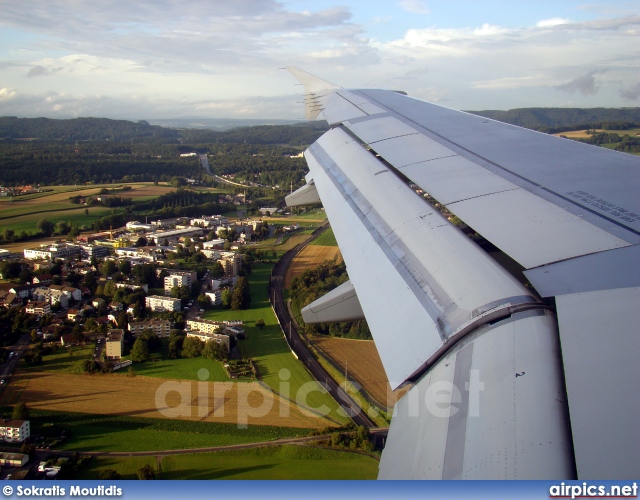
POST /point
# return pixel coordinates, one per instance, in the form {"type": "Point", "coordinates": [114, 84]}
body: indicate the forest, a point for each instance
{"type": "Point", "coordinates": [555, 120]}
{"type": "Point", "coordinates": [313, 284]}
{"type": "Point", "coordinates": [95, 150]}
{"type": "Point", "coordinates": [98, 150]}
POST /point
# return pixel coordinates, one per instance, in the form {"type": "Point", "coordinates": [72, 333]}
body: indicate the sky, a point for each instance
{"type": "Point", "coordinates": [154, 59]}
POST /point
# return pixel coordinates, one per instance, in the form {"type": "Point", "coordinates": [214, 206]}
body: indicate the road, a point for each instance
{"type": "Point", "coordinates": [276, 296]}
{"type": "Point", "coordinates": [8, 367]}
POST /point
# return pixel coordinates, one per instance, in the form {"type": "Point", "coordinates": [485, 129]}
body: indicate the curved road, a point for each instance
{"type": "Point", "coordinates": [276, 296]}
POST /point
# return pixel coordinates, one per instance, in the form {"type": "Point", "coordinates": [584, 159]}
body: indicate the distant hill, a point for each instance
{"type": "Point", "coordinates": [80, 129]}
{"type": "Point", "coordinates": [561, 119]}
{"type": "Point", "coordinates": [219, 124]}
{"type": "Point", "coordinates": [199, 131]}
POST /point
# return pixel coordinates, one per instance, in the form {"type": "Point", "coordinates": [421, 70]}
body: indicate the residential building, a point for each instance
{"type": "Point", "coordinates": [14, 431]}
{"type": "Point", "coordinates": [215, 296]}
{"type": "Point", "coordinates": [9, 299]}
{"type": "Point", "coordinates": [113, 344]}
{"type": "Point", "coordinates": [133, 286]}
{"type": "Point", "coordinates": [38, 308]}
{"type": "Point", "coordinates": [59, 297]}
{"type": "Point", "coordinates": [41, 294]}
{"type": "Point", "coordinates": [220, 338]}
{"type": "Point", "coordinates": [161, 327]}
{"type": "Point", "coordinates": [204, 325]}
{"type": "Point", "coordinates": [116, 306]}
{"type": "Point", "coordinates": [178, 278]}
{"type": "Point", "coordinates": [157, 303]}
{"type": "Point", "coordinates": [24, 291]}
{"type": "Point", "coordinates": [230, 261]}
{"type": "Point", "coordinates": [43, 280]}
{"type": "Point", "coordinates": [74, 314]}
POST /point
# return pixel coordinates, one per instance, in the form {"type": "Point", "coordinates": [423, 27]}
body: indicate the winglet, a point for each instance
{"type": "Point", "coordinates": [314, 88]}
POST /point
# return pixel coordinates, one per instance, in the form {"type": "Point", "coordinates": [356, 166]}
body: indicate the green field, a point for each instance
{"type": "Point", "coordinates": [269, 350]}
{"type": "Point", "coordinates": [278, 462]}
{"type": "Point", "coordinates": [64, 360]}
{"type": "Point", "coordinates": [127, 433]}
{"type": "Point", "coordinates": [326, 239]}
{"type": "Point", "coordinates": [21, 213]}
{"type": "Point", "coordinates": [180, 369]}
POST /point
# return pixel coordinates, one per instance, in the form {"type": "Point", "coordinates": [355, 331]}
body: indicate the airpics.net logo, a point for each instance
{"type": "Point", "coordinates": [586, 490]}
{"type": "Point", "coordinates": [255, 400]}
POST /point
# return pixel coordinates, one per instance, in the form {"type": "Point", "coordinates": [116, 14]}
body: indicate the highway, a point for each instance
{"type": "Point", "coordinates": [276, 296]}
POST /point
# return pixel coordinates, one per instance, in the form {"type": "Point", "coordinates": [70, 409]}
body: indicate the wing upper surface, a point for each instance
{"type": "Point", "coordinates": [569, 213]}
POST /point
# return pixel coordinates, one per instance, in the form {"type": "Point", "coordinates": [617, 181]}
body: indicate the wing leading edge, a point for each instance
{"type": "Point", "coordinates": [445, 315]}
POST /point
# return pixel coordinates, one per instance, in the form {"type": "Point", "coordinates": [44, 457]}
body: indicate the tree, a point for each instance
{"type": "Point", "coordinates": [62, 227]}
{"type": "Point", "coordinates": [204, 301]}
{"type": "Point", "coordinates": [141, 242]}
{"type": "Point", "coordinates": [10, 270]}
{"type": "Point", "coordinates": [146, 472]}
{"type": "Point", "coordinates": [241, 298]}
{"type": "Point", "coordinates": [108, 268]}
{"type": "Point", "coordinates": [125, 267]}
{"type": "Point", "coordinates": [108, 474]}
{"type": "Point", "coordinates": [9, 235]}
{"type": "Point", "coordinates": [45, 226]}
{"type": "Point", "coordinates": [215, 351]}
{"type": "Point", "coordinates": [20, 412]}
{"type": "Point", "coordinates": [217, 270]}
{"type": "Point", "coordinates": [140, 351]}
{"type": "Point", "coordinates": [225, 298]}
{"type": "Point", "coordinates": [192, 347]}
{"type": "Point", "coordinates": [181, 292]}
{"type": "Point", "coordinates": [153, 342]}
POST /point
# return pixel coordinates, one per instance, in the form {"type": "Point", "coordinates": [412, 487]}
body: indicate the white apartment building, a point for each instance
{"type": "Point", "coordinates": [161, 327]}
{"type": "Point", "coordinates": [51, 251]}
{"type": "Point", "coordinates": [157, 303]}
{"type": "Point", "coordinates": [178, 278]}
{"type": "Point", "coordinates": [14, 431]}
{"type": "Point", "coordinates": [220, 338]}
{"type": "Point", "coordinates": [204, 325]}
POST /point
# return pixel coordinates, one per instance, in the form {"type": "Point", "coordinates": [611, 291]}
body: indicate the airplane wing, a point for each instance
{"type": "Point", "coordinates": [511, 378]}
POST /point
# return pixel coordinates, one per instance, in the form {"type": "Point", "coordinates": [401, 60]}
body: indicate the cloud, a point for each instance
{"type": "Point", "coordinates": [631, 93]}
{"type": "Point", "coordinates": [40, 70]}
{"type": "Point", "coordinates": [556, 21]}
{"type": "Point", "coordinates": [6, 93]}
{"type": "Point", "coordinates": [415, 6]}
{"type": "Point", "coordinates": [585, 84]}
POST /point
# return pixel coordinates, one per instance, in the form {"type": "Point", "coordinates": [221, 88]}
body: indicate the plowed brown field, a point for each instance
{"type": "Point", "coordinates": [309, 258]}
{"type": "Point", "coordinates": [229, 402]}
{"type": "Point", "coordinates": [362, 362]}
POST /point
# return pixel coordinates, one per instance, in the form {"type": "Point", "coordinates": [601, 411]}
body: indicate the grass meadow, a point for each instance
{"type": "Point", "coordinates": [124, 433]}
{"type": "Point", "coordinates": [269, 349]}
{"type": "Point", "coordinates": [278, 462]}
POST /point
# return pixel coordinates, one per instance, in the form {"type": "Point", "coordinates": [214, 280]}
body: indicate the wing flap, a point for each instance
{"type": "Point", "coordinates": [426, 271]}
{"type": "Point", "coordinates": [471, 417]}
{"type": "Point", "coordinates": [600, 345]}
